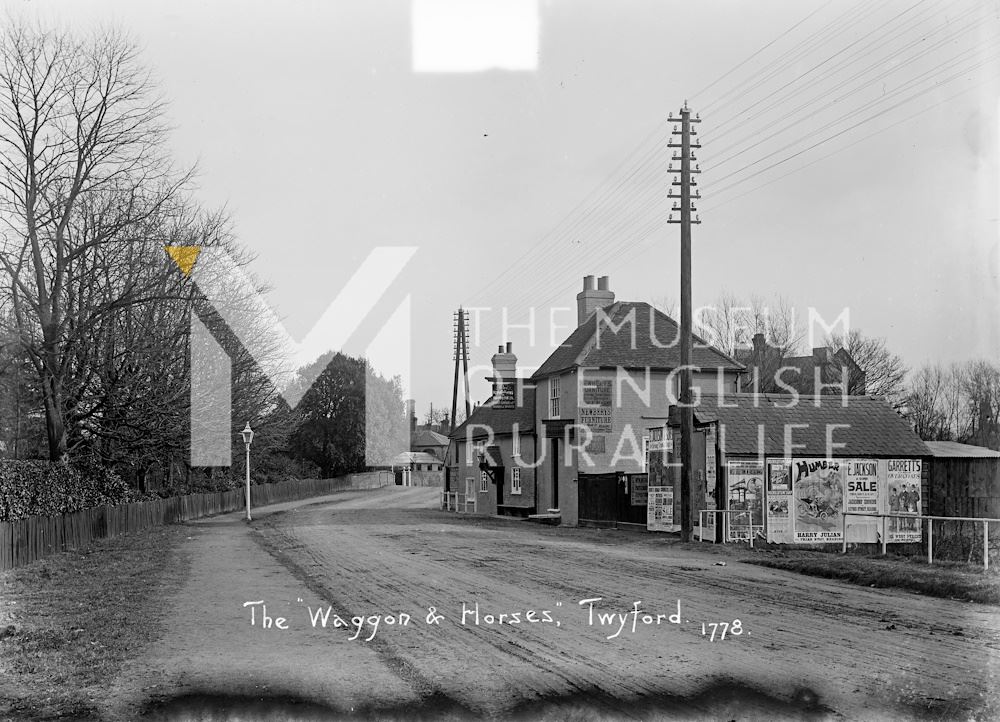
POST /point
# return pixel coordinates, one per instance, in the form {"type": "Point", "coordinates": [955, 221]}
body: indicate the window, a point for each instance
{"type": "Point", "coordinates": [554, 397]}
{"type": "Point", "coordinates": [484, 483]}
{"type": "Point", "coordinates": [515, 480]}
{"type": "Point", "coordinates": [516, 443]}
{"type": "Point", "coordinates": [468, 453]}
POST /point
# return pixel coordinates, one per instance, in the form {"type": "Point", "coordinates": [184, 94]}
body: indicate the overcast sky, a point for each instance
{"type": "Point", "coordinates": [310, 124]}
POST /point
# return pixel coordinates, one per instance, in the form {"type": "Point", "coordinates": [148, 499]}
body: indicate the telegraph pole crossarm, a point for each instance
{"type": "Point", "coordinates": [685, 209]}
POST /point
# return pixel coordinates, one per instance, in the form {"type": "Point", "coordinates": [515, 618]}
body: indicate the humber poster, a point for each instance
{"type": "Point", "coordinates": [818, 500]}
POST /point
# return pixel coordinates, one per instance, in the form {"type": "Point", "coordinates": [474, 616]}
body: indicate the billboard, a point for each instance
{"type": "Point", "coordinates": [861, 495]}
{"type": "Point", "coordinates": [817, 500]}
{"type": "Point", "coordinates": [744, 491]}
{"type": "Point", "coordinates": [902, 496]}
{"type": "Point", "coordinates": [660, 509]}
{"type": "Point", "coordinates": [779, 498]}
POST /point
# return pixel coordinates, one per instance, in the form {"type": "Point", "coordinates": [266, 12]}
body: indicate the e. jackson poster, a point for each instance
{"type": "Point", "coordinates": [861, 496]}
{"type": "Point", "coordinates": [817, 500]}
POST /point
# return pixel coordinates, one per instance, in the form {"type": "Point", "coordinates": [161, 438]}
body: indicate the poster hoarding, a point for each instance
{"type": "Point", "coordinates": [817, 500]}
{"type": "Point", "coordinates": [744, 491]}
{"type": "Point", "coordinates": [660, 509]}
{"type": "Point", "coordinates": [779, 497]}
{"type": "Point", "coordinates": [861, 496]}
{"type": "Point", "coordinates": [902, 496]}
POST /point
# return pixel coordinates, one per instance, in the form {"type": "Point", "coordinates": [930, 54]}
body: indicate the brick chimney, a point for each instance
{"type": "Point", "coordinates": [504, 363]}
{"type": "Point", "coordinates": [591, 299]}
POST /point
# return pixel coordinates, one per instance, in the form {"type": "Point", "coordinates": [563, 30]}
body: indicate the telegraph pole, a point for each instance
{"type": "Point", "coordinates": [686, 207]}
{"type": "Point", "coordinates": [461, 357]}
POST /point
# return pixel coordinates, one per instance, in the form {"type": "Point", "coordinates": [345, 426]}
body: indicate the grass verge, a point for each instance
{"type": "Point", "coordinates": [947, 580]}
{"type": "Point", "coordinates": [69, 622]}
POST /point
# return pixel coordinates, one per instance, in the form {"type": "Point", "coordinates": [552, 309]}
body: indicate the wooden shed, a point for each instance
{"type": "Point", "coordinates": [964, 480]}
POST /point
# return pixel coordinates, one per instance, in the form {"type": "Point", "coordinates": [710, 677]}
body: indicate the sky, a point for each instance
{"type": "Point", "coordinates": [850, 156]}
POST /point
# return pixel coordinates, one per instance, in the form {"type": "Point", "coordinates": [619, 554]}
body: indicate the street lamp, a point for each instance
{"type": "Point", "coordinates": [248, 439]}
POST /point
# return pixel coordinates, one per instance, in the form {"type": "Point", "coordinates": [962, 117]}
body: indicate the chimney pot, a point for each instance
{"type": "Point", "coordinates": [500, 348]}
{"type": "Point", "coordinates": [509, 347]}
{"type": "Point", "coordinates": [602, 283]}
{"type": "Point", "coordinates": [588, 283]}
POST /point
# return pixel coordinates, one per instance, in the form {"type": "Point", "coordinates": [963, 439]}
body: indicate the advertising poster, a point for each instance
{"type": "Point", "coordinates": [710, 442]}
{"type": "Point", "coordinates": [779, 497]}
{"type": "Point", "coordinates": [660, 509]}
{"type": "Point", "coordinates": [639, 489]}
{"type": "Point", "coordinates": [595, 409]}
{"type": "Point", "coordinates": [817, 500]}
{"type": "Point", "coordinates": [745, 491]}
{"type": "Point", "coordinates": [902, 494]}
{"type": "Point", "coordinates": [861, 496]}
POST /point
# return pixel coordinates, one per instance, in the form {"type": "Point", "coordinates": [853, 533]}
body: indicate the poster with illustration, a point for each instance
{"type": "Point", "coordinates": [779, 495]}
{"type": "Point", "coordinates": [861, 496]}
{"type": "Point", "coordinates": [902, 496]}
{"type": "Point", "coordinates": [745, 491]}
{"type": "Point", "coordinates": [817, 500]}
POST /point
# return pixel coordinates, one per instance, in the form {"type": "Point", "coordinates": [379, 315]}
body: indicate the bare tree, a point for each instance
{"type": "Point", "coordinates": [82, 167]}
{"type": "Point", "coordinates": [879, 372]}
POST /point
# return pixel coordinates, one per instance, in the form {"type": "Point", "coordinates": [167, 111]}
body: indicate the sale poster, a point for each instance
{"type": "Point", "coordinates": [861, 496]}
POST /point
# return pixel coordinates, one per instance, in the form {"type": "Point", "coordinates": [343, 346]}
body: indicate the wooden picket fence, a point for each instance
{"type": "Point", "coordinates": [27, 540]}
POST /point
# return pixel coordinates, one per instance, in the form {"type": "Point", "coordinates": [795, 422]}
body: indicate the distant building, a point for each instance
{"type": "Point", "coordinates": [824, 371]}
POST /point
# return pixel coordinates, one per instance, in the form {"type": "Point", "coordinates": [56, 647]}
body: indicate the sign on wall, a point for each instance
{"type": "Point", "coordinates": [504, 395]}
{"type": "Point", "coordinates": [745, 491]}
{"type": "Point", "coordinates": [902, 496]}
{"type": "Point", "coordinates": [817, 500]}
{"type": "Point", "coordinates": [660, 509]}
{"type": "Point", "coordinates": [639, 484]}
{"type": "Point", "coordinates": [597, 392]}
{"type": "Point", "coordinates": [597, 420]}
{"type": "Point", "coordinates": [779, 498]}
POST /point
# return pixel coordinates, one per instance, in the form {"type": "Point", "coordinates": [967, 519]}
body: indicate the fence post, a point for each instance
{"type": "Point", "coordinates": [883, 536]}
{"type": "Point", "coordinates": [986, 545]}
{"type": "Point", "coordinates": [930, 541]}
{"type": "Point", "coordinates": [843, 533]}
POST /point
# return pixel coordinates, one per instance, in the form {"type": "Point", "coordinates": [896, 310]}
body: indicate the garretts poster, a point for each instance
{"type": "Point", "coordinates": [902, 495]}
{"type": "Point", "coordinates": [817, 500]}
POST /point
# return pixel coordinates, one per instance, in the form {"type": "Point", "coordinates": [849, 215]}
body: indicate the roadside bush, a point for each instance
{"type": "Point", "coordinates": [41, 488]}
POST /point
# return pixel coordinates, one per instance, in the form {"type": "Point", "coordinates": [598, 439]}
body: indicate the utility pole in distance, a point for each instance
{"type": "Point", "coordinates": [686, 207]}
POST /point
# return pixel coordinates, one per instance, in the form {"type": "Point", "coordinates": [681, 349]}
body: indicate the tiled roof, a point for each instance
{"type": "Point", "coordinates": [426, 437]}
{"type": "Point", "coordinates": [954, 450]}
{"type": "Point", "coordinates": [865, 425]}
{"type": "Point", "coordinates": [502, 421]}
{"type": "Point", "coordinates": [600, 342]}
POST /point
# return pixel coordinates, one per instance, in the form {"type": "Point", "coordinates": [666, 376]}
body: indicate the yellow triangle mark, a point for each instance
{"type": "Point", "coordinates": [184, 257]}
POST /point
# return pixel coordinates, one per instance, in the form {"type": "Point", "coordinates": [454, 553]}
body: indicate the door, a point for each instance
{"type": "Point", "coordinates": [555, 473]}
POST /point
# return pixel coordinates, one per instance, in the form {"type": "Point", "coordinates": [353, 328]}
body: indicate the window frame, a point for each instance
{"type": "Point", "coordinates": [515, 481]}
{"type": "Point", "coordinates": [555, 394]}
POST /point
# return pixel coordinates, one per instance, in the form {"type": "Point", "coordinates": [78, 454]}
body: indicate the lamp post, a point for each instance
{"type": "Point", "coordinates": [247, 434]}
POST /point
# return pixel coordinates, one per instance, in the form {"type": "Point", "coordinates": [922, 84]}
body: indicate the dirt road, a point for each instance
{"type": "Point", "coordinates": [513, 639]}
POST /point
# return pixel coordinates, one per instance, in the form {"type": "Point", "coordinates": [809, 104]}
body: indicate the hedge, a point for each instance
{"type": "Point", "coordinates": [42, 488]}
